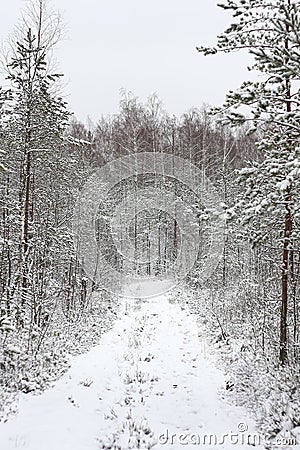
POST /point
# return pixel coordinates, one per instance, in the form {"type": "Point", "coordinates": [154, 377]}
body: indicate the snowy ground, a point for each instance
{"type": "Point", "coordinates": [149, 383]}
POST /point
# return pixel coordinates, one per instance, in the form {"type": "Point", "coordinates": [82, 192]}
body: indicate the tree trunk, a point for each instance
{"type": "Point", "coordinates": [283, 355]}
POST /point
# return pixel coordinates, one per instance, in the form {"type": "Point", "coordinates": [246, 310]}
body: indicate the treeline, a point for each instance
{"type": "Point", "coordinates": [147, 127]}
{"type": "Point", "coordinates": [196, 137]}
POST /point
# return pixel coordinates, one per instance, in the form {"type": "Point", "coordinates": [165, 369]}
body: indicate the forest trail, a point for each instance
{"type": "Point", "coordinates": [149, 383]}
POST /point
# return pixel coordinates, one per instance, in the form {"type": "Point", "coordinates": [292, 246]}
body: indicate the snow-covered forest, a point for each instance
{"type": "Point", "coordinates": [211, 218]}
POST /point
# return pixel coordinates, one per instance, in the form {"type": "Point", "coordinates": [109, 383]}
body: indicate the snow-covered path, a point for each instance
{"type": "Point", "coordinates": [148, 383]}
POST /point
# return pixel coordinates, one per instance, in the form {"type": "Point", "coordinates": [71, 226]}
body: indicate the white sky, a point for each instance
{"type": "Point", "coordinates": [144, 46]}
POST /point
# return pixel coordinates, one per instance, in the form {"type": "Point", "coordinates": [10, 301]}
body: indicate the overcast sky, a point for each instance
{"type": "Point", "coordinates": [144, 46]}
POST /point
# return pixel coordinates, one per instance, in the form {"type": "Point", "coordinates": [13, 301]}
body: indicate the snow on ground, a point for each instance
{"type": "Point", "coordinates": [150, 382]}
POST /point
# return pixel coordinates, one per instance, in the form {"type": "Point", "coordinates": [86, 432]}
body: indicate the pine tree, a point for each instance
{"type": "Point", "coordinates": [37, 120]}
{"type": "Point", "coordinates": [269, 31]}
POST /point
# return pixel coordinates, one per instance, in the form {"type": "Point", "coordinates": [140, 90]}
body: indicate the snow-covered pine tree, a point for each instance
{"type": "Point", "coordinates": [269, 204]}
{"type": "Point", "coordinates": [37, 120]}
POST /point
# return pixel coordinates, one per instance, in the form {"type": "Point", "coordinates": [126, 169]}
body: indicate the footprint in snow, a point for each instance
{"type": "Point", "coordinates": [73, 402]}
